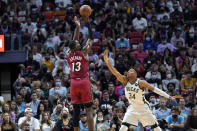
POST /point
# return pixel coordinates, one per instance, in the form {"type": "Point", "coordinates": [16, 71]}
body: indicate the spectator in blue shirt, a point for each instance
{"type": "Point", "coordinates": [175, 120]}
{"type": "Point", "coordinates": [149, 44]}
{"type": "Point", "coordinates": [122, 42]}
{"type": "Point", "coordinates": [83, 125]}
{"type": "Point", "coordinates": [184, 110]}
{"type": "Point", "coordinates": [163, 111]}
{"type": "Point", "coordinates": [34, 103]}
{"type": "Point", "coordinates": [20, 103]}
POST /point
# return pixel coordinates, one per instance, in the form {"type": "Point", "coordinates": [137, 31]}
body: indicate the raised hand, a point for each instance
{"type": "Point", "coordinates": [106, 58]}
{"type": "Point", "coordinates": [77, 22]}
{"type": "Point", "coordinates": [172, 98]}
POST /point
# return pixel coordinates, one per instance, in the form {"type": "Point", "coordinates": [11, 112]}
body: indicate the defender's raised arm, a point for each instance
{"type": "Point", "coordinates": [120, 77]}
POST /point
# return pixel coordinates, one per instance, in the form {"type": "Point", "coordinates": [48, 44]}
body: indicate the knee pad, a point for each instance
{"type": "Point", "coordinates": [157, 129]}
{"type": "Point", "coordinates": [76, 115]}
{"type": "Point", "coordinates": [123, 128]}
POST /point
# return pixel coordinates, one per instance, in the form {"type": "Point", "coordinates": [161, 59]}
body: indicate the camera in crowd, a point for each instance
{"type": "Point", "coordinates": [163, 124]}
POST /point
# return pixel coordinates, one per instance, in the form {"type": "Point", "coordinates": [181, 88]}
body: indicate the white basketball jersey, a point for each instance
{"type": "Point", "coordinates": [135, 94]}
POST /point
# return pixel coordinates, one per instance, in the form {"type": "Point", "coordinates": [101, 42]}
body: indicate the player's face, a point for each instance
{"type": "Point", "coordinates": [132, 75]}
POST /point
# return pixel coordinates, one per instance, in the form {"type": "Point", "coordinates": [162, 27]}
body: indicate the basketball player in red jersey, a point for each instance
{"type": "Point", "coordinates": [80, 90]}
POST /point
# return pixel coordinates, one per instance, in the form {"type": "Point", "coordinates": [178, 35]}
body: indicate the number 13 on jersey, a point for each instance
{"type": "Point", "coordinates": [76, 66]}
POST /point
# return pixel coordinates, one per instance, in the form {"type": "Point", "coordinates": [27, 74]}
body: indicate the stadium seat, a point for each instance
{"type": "Point", "coordinates": [61, 14]}
{"type": "Point", "coordinates": [48, 15]}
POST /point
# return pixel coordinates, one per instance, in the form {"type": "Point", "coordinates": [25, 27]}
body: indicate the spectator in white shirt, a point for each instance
{"type": "Point", "coordinates": [61, 65]}
{"type": "Point", "coordinates": [139, 23]}
{"type": "Point", "coordinates": [37, 56]}
{"type": "Point", "coordinates": [162, 14]}
{"type": "Point", "coordinates": [33, 122]}
{"type": "Point", "coordinates": [46, 123]}
{"type": "Point", "coordinates": [28, 27]}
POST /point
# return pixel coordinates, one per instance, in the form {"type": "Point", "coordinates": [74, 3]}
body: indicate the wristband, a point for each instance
{"type": "Point", "coordinates": [161, 93]}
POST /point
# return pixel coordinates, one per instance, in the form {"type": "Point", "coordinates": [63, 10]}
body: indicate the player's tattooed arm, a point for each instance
{"type": "Point", "coordinates": [123, 79]}
{"type": "Point", "coordinates": [77, 30]}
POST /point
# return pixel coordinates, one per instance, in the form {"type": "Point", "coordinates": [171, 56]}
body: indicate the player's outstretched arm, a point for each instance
{"type": "Point", "coordinates": [87, 47]}
{"type": "Point", "coordinates": [120, 77]}
{"type": "Point", "coordinates": [145, 84]}
{"type": "Point", "coordinates": [77, 30]}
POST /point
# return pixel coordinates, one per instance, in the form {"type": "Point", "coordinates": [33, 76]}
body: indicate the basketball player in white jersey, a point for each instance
{"type": "Point", "coordinates": [134, 92]}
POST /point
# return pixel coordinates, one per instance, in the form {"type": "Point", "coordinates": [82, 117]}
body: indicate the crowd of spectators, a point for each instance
{"type": "Point", "coordinates": [156, 37]}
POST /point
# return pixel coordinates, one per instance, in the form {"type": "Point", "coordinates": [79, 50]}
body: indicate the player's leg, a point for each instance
{"type": "Point", "coordinates": [89, 113]}
{"type": "Point", "coordinates": [76, 114]}
{"type": "Point", "coordinates": [86, 98]}
{"type": "Point", "coordinates": [130, 120]}
{"type": "Point", "coordinates": [75, 100]}
{"type": "Point", "coordinates": [148, 119]}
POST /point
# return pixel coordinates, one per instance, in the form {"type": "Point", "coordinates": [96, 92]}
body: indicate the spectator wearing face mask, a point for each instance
{"type": "Point", "coordinates": [122, 42]}
{"type": "Point", "coordinates": [149, 43]}
{"type": "Point", "coordinates": [58, 88]}
{"type": "Point", "coordinates": [102, 124]}
{"type": "Point", "coordinates": [170, 79]}
{"type": "Point", "coordinates": [175, 120]}
{"type": "Point", "coordinates": [153, 102]}
{"type": "Point", "coordinates": [139, 23]}
{"type": "Point", "coordinates": [154, 77]}
{"type": "Point", "coordinates": [65, 122]}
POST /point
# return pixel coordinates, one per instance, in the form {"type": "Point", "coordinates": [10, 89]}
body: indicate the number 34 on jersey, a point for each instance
{"type": "Point", "coordinates": [132, 91]}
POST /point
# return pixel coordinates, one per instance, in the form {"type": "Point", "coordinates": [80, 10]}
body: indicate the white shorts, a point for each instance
{"type": "Point", "coordinates": [140, 113]}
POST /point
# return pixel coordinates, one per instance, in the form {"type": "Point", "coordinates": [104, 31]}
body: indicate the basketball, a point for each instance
{"type": "Point", "coordinates": [85, 10]}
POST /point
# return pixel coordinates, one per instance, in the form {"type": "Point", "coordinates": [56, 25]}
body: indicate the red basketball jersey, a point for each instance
{"type": "Point", "coordinates": [78, 65]}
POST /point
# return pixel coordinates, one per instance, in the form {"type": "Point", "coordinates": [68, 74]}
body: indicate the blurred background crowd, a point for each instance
{"type": "Point", "coordinates": [156, 37]}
